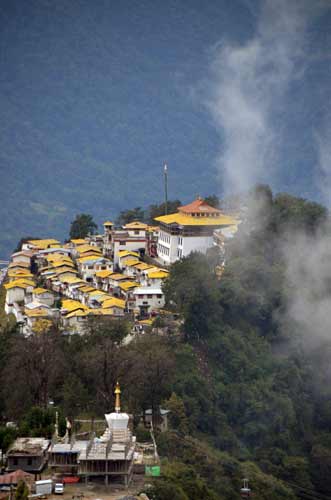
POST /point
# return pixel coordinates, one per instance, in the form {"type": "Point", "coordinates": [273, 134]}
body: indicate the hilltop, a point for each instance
{"type": "Point", "coordinates": [248, 392]}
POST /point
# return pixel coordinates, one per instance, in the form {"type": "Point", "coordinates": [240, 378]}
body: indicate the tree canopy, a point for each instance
{"type": "Point", "coordinates": [82, 226]}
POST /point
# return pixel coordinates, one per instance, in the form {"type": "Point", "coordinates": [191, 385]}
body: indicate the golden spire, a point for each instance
{"type": "Point", "coordinates": [117, 393]}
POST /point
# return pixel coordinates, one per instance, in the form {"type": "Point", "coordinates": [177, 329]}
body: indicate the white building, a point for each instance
{"type": "Point", "coordinates": [190, 230]}
{"type": "Point", "coordinates": [148, 299]}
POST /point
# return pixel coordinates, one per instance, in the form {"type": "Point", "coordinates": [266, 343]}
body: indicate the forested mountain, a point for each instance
{"type": "Point", "coordinates": [96, 96]}
{"type": "Point", "coordinates": [247, 381]}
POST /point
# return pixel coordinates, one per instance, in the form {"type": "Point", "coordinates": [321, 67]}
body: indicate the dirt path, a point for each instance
{"type": "Point", "coordinates": [98, 491]}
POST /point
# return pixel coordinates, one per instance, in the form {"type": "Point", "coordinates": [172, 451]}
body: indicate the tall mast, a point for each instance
{"type": "Point", "coordinates": [166, 188]}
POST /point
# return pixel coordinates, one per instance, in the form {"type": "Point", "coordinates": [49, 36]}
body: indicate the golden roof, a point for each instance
{"type": "Point", "coordinates": [130, 261]}
{"type": "Point", "coordinates": [39, 291]}
{"type": "Point", "coordinates": [104, 297]}
{"type": "Point", "coordinates": [72, 279]}
{"type": "Point", "coordinates": [76, 313]}
{"type": "Point", "coordinates": [124, 253]}
{"type": "Point", "coordinates": [78, 241]}
{"type": "Point", "coordinates": [61, 263]}
{"type": "Point", "coordinates": [18, 263]}
{"type": "Point", "coordinates": [158, 274]}
{"type": "Point", "coordinates": [58, 257]}
{"type": "Point", "coordinates": [188, 220]}
{"type": "Point", "coordinates": [142, 266]}
{"type": "Point", "coordinates": [87, 248]}
{"type": "Point", "coordinates": [108, 223]}
{"type": "Point", "coordinates": [118, 277]}
{"type": "Point", "coordinates": [89, 257]}
{"type": "Point", "coordinates": [135, 225]}
{"type": "Point", "coordinates": [104, 274]}
{"type": "Point", "coordinates": [87, 288]}
{"type": "Point", "coordinates": [64, 269]}
{"type": "Point", "coordinates": [43, 244]}
{"type": "Point", "coordinates": [97, 292]}
{"type": "Point", "coordinates": [128, 284]}
{"type": "Point", "coordinates": [113, 302]}
{"type": "Point", "coordinates": [20, 273]}
{"type": "Point", "coordinates": [19, 283]}
{"type": "Point", "coordinates": [72, 305]}
{"type": "Point", "coordinates": [36, 313]}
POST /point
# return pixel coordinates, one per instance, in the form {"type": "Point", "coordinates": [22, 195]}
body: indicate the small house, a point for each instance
{"type": "Point", "coordinates": [28, 454]}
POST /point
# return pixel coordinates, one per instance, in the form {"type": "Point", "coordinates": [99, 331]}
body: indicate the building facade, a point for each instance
{"type": "Point", "coordinates": [189, 230]}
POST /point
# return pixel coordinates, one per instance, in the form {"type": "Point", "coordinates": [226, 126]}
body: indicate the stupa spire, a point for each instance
{"type": "Point", "coordinates": [117, 393]}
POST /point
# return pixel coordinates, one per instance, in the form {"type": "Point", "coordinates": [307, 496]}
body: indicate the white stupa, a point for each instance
{"type": "Point", "coordinates": [118, 422]}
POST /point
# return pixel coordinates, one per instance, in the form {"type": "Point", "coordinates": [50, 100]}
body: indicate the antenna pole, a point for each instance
{"type": "Point", "coordinates": [166, 188]}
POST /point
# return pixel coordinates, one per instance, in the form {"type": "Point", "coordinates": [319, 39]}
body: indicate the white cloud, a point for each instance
{"type": "Point", "coordinates": [249, 83]}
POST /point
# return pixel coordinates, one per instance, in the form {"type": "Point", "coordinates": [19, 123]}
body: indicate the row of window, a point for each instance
{"type": "Point", "coordinates": [179, 253]}
{"type": "Point", "coordinates": [163, 250]}
{"type": "Point", "coordinates": [150, 296]}
{"type": "Point", "coordinates": [180, 240]}
{"type": "Point", "coordinates": [164, 237]}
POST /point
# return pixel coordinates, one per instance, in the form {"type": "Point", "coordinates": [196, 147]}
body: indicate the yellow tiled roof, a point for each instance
{"type": "Point", "coordinates": [77, 312]}
{"type": "Point", "coordinates": [108, 223]}
{"type": "Point", "coordinates": [18, 263]}
{"type": "Point", "coordinates": [158, 274]}
{"type": "Point", "coordinates": [87, 288]}
{"type": "Point", "coordinates": [130, 261]}
{"type": "Point", "coordinates": [128, 284]}
{"type": "Point", "coordinates": [43, 244]}
{"type": "Point", "coordinates": [142, 266]}
{"type": "Point", "coordinates": [119, 277]}
{"type": "Point", "coordinates": [73, 279]}
{"type": "Point", "coordinates": [187, 220]}
{"type": "Point", "coordinates": [36, 313]}
{"type": "Point", "coordinates": [96, 293]}
{"type": "Point", "coordinates": [73, 305]}
{"type": "Point", "coordinates": [78, 241]}
{"type": "Point", "coordinates": [58, 257]}
{"type": "Point", "coordinates": [135, 225]}
{"type": "Point", "coordinates": [104, 274]}
{"type": "Point", "coordinates": [104, 297]}
{"type": "Point", "coordinates": [87, 248]}
{"type": "Point", "coordinates": [90, 257]}
{"type": "Point", "coordinates": [39, 291]}
{"type": "Point", "coordinates": [20, 283]}
{"type": "Point", "coordinates": [124, 253]}
{"type": "Point", "coordinates": [64, 270]}
{"type": "Point", "coordinates": [23, 273]}
{"type": "Point", "coordinates": [60, 263]}
{"type": "Point", "coordinates": [113, 302]}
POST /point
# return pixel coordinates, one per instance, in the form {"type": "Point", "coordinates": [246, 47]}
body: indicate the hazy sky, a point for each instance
{"type": "Point", "coordinates": [96, 95]}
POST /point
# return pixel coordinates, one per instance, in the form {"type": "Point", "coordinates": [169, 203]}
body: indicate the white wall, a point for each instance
{"type": "Point", "coordinates": [196, 243]}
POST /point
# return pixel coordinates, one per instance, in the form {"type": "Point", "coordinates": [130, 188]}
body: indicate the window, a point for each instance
{"type": "Point", "coordinates": [29, 461]}
{"type": "Point", "coordinates": [136, 231]}
{"type": "Point", "coordinates": [15, 461]}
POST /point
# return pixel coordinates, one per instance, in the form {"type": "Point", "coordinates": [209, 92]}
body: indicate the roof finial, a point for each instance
{"type": "Point", "coordinates": [117, 393]}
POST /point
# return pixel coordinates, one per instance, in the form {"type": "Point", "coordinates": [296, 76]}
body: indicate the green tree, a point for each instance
{"type": "Point", "coordinates": [157, 210]}
{"type": "Point", "coordinates": [213, 200]}
{"type": "Point", "coordinates": [177, 418]}
{"type": "Point", "coordinates": [22, 491]}
{"type": "Point", "coordinates": [127, 216]}
{"type": "Point", "coordinates": [82, 226]}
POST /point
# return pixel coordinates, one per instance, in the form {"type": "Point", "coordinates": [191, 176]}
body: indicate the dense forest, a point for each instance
{"type": "Point", "coordinates": [247, 382]}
